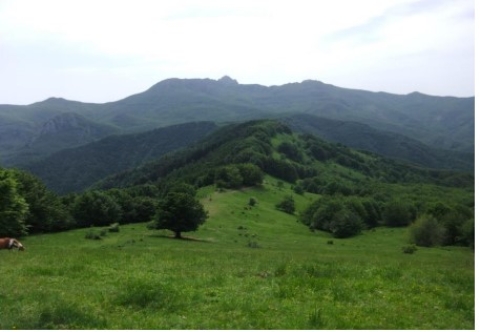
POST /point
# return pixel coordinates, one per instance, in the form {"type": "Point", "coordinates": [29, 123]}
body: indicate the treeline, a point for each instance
{"type": "Point", "coordinates": [431, 223]}
{"type": "Point", "coordinates": [28, 207]}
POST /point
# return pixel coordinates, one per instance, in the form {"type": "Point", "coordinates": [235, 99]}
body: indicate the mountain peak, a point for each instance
{"type": "Point", "coordinates": [228, 80]}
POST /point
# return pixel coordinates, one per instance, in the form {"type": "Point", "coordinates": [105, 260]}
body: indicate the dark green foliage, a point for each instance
{"type": "Point", "coordinates": [426, 231]}
{"type": "Point", "coordinates": [13, 208]}
{"type": "Point", "coordinates": [297, 189]}
{"type": "Point", "coordinates": [345, 223]}
{"type": "Point", "coordinates": [282, 169]}
{"type": "Point", "coordinates": [46, 212]}
{"type": "Point", "coordinates": [179, 211]}
{"type": "Point", "coordinates": [236, 176]}
{"type": "Point", "coordinates": [372, 214]}
{"type": "Point", "coordinates": [95, 208]}
{"type": "Point", "coordinates": [468, 233]}
{"type": "Point", "coordinates": [410, 249]}
{"type": "Point", "coordinates": [252, 175]}
{"type": "Point", "coordinates": [397, 214]}
{"type": "Point", "coordinates": [341, 217]}
{"type": "Point", "coordinates": [76, 169]}
{"type": "Point", "coordinates": [286, 205]}
{"type": "Point", "coordinates": [228, 177]}
{"type": "Point", "coordinates": [382, 142]}
{"type": "Point", "coordinates": [252, 201]}
{"type": "Point", "coordinates": [291, 151]}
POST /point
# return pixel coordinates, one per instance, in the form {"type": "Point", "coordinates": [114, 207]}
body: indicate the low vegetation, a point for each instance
{"type": "Point", "coordinates": [254, 268]}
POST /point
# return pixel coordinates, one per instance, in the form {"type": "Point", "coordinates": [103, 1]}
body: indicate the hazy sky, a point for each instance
{"type": "Point", "coordinates": [99, 51]}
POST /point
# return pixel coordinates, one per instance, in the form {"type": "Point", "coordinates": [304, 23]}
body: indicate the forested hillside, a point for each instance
{"type": "Point", "coordinates": [274, 148]}
{"type": "Point", "coordinates": [74, 170]}
{"type": "Point", "coordinates": [37, 130]}
{"type": "Point", "coordinates": [356, 190]}
{"type": "Point", "coordinates": [389, 144]}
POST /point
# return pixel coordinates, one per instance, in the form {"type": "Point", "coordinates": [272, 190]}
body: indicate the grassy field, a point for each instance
{"type": "Point", "coordinates": [246, 268]}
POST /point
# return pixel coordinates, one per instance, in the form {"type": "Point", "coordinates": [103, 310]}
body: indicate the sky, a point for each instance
{"type": "Point", "coordinates": [100, 50]}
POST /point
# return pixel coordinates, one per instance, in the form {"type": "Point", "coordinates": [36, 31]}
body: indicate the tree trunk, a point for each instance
{"type": "Point", "coordinates": [178, 235]}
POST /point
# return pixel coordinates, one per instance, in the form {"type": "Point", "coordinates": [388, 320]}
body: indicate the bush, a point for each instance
{"type": "Point", "coordinates": [345, 223]}
{"type": "Point", "coordinates": [298, 189]}
{"type": "Point", "coordinates": [426, 231]}
{"type": "Point", "coordinates": [287, 205]}
{"type": "Point", "coordinates": [410, 249]}
{"type": "Point", "coordinates": [93, 235]}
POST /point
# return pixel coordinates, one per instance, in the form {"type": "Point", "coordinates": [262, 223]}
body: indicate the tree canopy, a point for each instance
{"type": "Point", "coordinates": [179, 211]}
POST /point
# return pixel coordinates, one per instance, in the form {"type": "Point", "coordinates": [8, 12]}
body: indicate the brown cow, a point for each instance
{"type": "Point", "coordinates": [9, 243]}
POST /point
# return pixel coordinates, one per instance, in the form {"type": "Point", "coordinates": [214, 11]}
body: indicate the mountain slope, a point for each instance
{"type": "Point", "coordinates": [388, 144]}
{"type": "Point", "coordinates": [76, 169]}
{"type": "Point", "coordinates": [277, 151]}
{"type": "Point", "coordinates": [442, 122]}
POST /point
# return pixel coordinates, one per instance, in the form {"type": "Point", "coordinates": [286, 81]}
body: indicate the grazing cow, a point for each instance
{"type": "Point", "coordinates": [9, 243]}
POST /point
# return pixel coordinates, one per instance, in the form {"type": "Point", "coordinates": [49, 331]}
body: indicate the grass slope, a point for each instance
{"type": "Point", "coordinates": [245, 268]}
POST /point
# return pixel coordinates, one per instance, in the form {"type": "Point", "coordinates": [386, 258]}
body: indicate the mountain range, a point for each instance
{"type": "Point", "coordinates": [425, 130]}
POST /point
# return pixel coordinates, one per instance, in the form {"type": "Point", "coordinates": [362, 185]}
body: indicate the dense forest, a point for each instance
{"type": "Point", "coordinates": [356, 190]}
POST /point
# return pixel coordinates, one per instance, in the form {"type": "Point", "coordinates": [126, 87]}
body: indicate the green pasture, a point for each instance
{"type": "Point", "coordinates": [245, 268]}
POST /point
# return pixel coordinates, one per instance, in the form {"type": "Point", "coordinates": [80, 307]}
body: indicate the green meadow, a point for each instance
{"type": "Point", "coordinates": [245, 268]}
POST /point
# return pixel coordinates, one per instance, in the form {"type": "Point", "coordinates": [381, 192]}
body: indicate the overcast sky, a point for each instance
{"type": "Point", "coordinates": [99, 51]}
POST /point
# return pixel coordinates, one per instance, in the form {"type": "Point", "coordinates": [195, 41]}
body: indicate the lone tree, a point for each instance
{"type": "Point", "coordinates": [179, 211]}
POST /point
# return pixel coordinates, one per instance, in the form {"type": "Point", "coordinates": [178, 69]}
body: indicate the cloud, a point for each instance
{"type": "Point", "coordinates": [360, 44]}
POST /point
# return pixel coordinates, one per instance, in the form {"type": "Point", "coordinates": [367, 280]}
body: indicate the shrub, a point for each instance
{"type": "Point", "coordinates": [93, 235]}
{"type": "Point", "coordinates": [252, 201]}
{"type": "Point", "coordinates": [287, 205]}
{"type": "Point", "coordinates": [426, 231]}
{"type": "Point", "coordinates": [410, 249]}
{"type": "Point", "coordinates": [297, 189]}
{"type": "Point", "coordinates": [345, 223]}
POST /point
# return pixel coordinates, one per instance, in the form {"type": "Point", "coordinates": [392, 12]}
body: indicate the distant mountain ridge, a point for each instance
{"type": "Point", "coordinates": [439, 122]}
